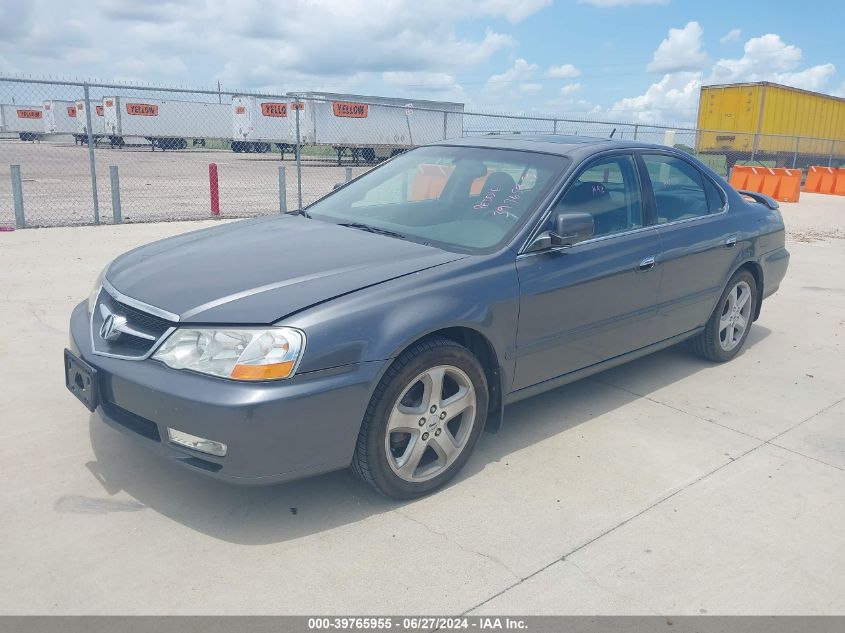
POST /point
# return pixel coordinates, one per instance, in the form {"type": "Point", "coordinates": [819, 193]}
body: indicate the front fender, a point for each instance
{"type": "Point", "coordinates": [377, 323]}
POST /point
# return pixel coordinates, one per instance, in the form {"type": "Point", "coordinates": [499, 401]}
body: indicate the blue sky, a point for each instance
{"type": "Point", "coordinates": [633, 60]}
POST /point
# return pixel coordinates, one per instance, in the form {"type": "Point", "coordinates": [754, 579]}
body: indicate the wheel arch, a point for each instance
{"type": "Point", "coordinates": [756, 271]}
{"type": "Point", "coordinates": [483, 349]}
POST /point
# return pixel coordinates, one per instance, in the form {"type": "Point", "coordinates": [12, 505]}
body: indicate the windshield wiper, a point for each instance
{"type": "Point", "coordinates": [372, 229]}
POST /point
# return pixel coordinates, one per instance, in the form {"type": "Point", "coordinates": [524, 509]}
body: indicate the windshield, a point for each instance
{"type": "Point", "coordinates": [463, 198]}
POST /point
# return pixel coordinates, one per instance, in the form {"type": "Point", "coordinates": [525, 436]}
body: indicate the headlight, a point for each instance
{"type": "Point", "coordinates": [92, 296]}
{"type": "Point", "coordinates": [238, 353]}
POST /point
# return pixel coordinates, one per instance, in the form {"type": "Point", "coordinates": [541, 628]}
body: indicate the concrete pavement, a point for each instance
{"type": "Point", "coordinates": [669, 485]}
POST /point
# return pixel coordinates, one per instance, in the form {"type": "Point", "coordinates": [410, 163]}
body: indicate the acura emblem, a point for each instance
{"type": "Point", "coordinates": [112, 325]}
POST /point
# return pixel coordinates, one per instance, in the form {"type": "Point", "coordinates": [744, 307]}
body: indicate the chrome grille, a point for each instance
{"type": "Point", "coordinates": [133, 334]}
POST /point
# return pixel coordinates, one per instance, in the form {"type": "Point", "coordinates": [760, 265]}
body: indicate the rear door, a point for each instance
{"type": "Point", "coordinates": [597, 299]}
{"type": "Point", "coordinates": [697, 238]}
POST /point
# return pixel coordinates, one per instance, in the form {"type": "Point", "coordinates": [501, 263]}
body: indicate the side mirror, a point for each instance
{"type": "Point", "coordinates": [571, 228]}
{"type": "Point", "coordinates": [337, 185]}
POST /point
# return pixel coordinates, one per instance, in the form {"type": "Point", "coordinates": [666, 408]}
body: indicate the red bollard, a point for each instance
{"type": "Point", "coordinates": [214, 188]}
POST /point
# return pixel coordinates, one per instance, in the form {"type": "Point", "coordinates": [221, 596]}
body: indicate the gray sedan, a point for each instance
{"type": "Point", "coordinates": [388, 325]}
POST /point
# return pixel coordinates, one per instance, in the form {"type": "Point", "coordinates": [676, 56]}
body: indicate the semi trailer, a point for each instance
{"type": "Point", "coordinates": [166, 124]}
{"type": "Point", "coordinates": [371, 128]}
{"type": "Point", "coordinates": [98, 124]}
{"type": "Point", "coordinates": [59, 117]}
{"type": "Point", "coordinates": [27, 121]}
{"type": "Point", "coordinates": [765, 121]}
{"type": "Point", "coordinates": [258, 124]}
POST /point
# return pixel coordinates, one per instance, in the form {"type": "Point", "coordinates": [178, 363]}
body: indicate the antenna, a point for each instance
{"type": "Point", "coordinates": [612, 133]}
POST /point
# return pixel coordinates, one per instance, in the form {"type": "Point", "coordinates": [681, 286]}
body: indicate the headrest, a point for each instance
{"type": "Point", "coordinates": [500, 180]}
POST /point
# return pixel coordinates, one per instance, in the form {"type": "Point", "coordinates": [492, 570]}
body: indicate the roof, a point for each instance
{"type": "Point", "coordinates": [744, 84]}
{"type": "Point", "coordinates": [546, 143]}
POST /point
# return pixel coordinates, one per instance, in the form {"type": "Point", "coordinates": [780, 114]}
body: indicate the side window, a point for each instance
{"type": "Point", "coordinates": [609, 191]}
{"type": "Point", "coordinates": [678, 188]}
{"type": "Point", "coordinates": [715, 198]}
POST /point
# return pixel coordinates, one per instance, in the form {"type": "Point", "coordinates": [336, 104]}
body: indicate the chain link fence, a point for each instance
{"type": "Point", "coordinates": [89, 153]}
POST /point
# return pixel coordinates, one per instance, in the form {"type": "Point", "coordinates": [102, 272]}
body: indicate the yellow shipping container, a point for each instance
{"type": "Point", "coordinates": [765, 118]}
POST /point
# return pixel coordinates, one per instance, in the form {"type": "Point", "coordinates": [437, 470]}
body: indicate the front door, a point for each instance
{"type": "Point", "coordinates": [597, 299]}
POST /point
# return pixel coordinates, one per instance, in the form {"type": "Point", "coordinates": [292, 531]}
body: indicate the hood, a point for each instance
{"type": "Point", "coordinates": [258, 271]}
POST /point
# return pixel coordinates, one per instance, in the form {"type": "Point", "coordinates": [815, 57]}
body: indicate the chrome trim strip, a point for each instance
{"type": "Point", "coordinates": [151, 351]}
{"type": "Point", "coordinates": [592, 240]}
{"type": "Point", "coordinates": [631, 151]}
{"type": "Point", "coordinates": [135, 304]}
{"type": "Point", "coordinates": [143, 307]}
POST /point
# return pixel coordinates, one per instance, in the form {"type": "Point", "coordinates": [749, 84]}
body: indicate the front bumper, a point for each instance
{"type": "Point", "coordinates": [275, 431]}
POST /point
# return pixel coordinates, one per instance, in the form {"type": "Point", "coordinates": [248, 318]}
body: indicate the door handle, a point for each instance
{"type": "Point", "coordinates": [730, 242]}
{"type": "Point", "coordinates": [646, 264]}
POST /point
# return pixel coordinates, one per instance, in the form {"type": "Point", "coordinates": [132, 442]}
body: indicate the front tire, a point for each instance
{"type": "Point", "coordinates": [727, 329]}
{"type": "Point", "coordinates": [423, 420]}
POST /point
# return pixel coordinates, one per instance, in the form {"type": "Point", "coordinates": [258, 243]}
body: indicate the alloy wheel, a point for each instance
{"type": "Point", "coordinates": [735, 316]}
{"type": "Point", "coordinates": [430, 424]}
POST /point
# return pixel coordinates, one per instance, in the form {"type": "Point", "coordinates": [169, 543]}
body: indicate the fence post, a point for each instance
{"type": "Point", "coordinates": [283, 191]}
{"type": "Point", "coordinates": [754, 146]}
{"type": "Point", "coordinates": [298, 159]}
{"type": "Point", "coordinates": [348, 174]}
{"type": "Point", "coordinates": [795, 155]}
{"type": "Point", "coordinates": [115, 194]}
{"type": "Point", "coordinates": [554, 127]}
{"type": "Point", "coordinates": [636, 131]}
{"type": "Point", "coordinates": [91, 162]}
{"type": "Point", "coordinates": [214, 189]}
{"type": "Point", "coordinates": [830, 158]}
{"type": "Point", "coordinates": [17, 196]}
{"type": "Point", "coordinates": [444, 125]}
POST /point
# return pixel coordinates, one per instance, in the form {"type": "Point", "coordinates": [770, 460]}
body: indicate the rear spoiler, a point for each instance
{"type": "Point", "coordinates": [759, 197]}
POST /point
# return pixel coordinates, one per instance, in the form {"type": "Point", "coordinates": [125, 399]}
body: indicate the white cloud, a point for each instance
{"type": "Point", "coordinates": [520, 71]}
{"type": "Point", "coordinates": [512, 11]}
{"type": "Point", "coordinates": [442, 86]}
{"type": "Point", "coordinates": [564, 71]}
{"type": "Point", "coordinates": [566, 103]}
{"type": "Point", "coordinates": [731, 36]}
{"type": "Point", "coordinates": [768, 58]}
{"type": "Point", "coordinates": [609, 4]}
{"type": "Point", "coordinates": [673, 99]}
{"type": "Point", "coordinates": [246, 45]}
{"type": "Point", "coordinates": [530, 88]}
{"type": "Point", "coordinates": [7, 67]}
{"type": "Point", "coordinates": [681, 50]}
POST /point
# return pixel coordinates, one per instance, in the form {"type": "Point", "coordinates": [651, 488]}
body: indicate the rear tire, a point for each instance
{"type": "Point", "coordinates": [727, 329]}
{"type": "Point", "coordinates": [423, 421]}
